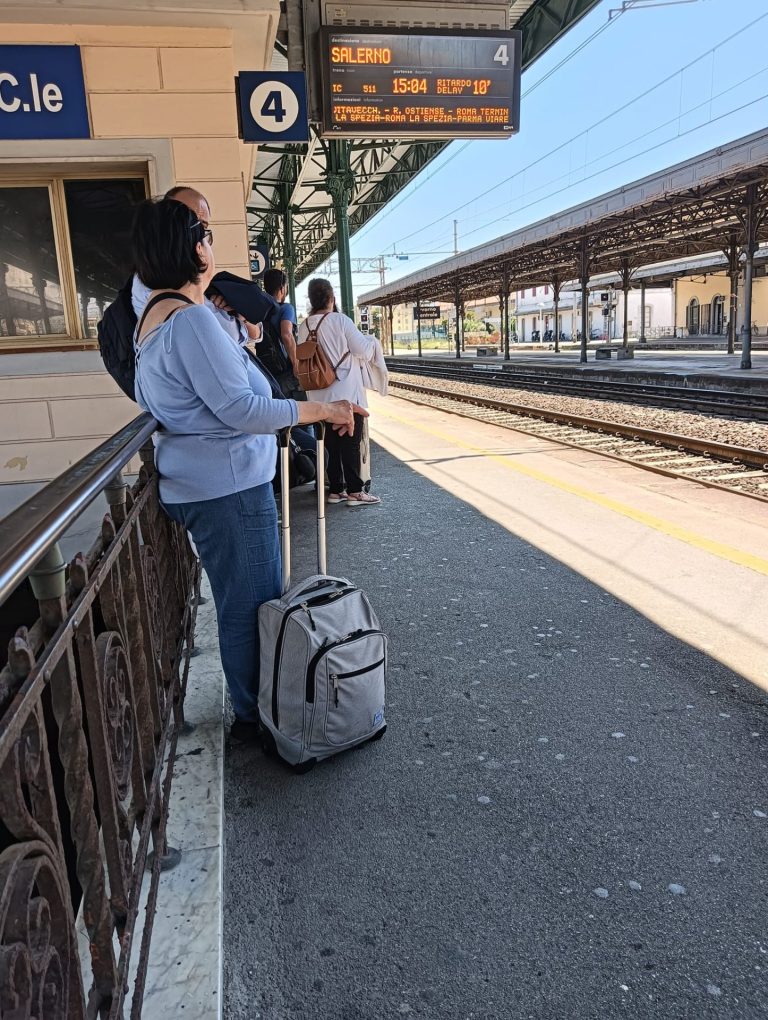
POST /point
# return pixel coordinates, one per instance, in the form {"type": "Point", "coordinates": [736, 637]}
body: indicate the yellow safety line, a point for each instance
{"type": "Point", "coordinates": [719, 549]}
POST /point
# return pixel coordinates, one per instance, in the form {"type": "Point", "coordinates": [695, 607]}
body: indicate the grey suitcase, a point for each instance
{"type": "Point", "coordinates": [323, 653]}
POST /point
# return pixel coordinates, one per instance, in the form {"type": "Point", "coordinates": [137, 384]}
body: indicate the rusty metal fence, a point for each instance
{"type": "Point", "coordinates": [91, 696]}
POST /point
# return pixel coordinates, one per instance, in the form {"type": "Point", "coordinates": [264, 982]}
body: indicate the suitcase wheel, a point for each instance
{"type": "Point", "coordinates": [377, 736]}
{"type": "Point", "coordinates": [268, 745]}
{"type": "Point", "coordinates": [303, 767]}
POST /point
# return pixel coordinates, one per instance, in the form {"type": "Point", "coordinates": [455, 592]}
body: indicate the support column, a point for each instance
{"type": "Point", "coordinates": [38, 282]}
{"type": "Point", "coordinates": [505, 315]}
{"type": "Point", "coordinates": [459, 330]}
{"type": "Point", "coordinates": [84, 301]}
{"type": "Point", "coordinates": [746, 329]}
{"type": "Point", "coordinates": [339, 184]}
{"type": "Point", "coordinates": [5, 304]}
{"type": "Point", "coordinates": [391, 332]}
{"type": "Point", "coordinates": [625, 274]}
{"type": "Point", "coordinates": [642, 313]}
{"type": "Point", "coordinates": [732, 254]}
{"type": "Point", "coordinates": [556, 296]}
{"type": "Point", "coordinates": [750, 246]}
{"type": "Point", "coordinates": [584, 281]}
{"type": "Point", "coordinates": [501, 316]}
{"type": "Point", "coordinates": [418, 323]}
{"type": "Point", "coordinates": [289, 252]}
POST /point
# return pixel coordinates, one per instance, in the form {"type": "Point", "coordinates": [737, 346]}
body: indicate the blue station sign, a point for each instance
{"type": "Point", "coordinates": [272, 106]}
{"type": "Point", "coordinates": [42, 93]}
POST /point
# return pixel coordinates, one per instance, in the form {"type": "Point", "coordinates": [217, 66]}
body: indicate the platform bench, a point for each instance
{"type": "Point", "coordinates": [484, 352]}
{"type": "Point", "coordinates": [603, 353]}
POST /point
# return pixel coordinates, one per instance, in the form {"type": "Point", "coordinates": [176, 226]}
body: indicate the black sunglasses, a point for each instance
{"type": "Point", "coordinates": [206, 233]}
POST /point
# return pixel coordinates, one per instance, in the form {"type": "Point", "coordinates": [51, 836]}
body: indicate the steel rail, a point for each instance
{"type": "Point", "coordinates": [574, 445]}
{"type": "Point", "coordinates": [728, 403]}
{"type": "Point", "coordinates": [672, 440]}
{"type": "Point", "coordinates": [30, 530]}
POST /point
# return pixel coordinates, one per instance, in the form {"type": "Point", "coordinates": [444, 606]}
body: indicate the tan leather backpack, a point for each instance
{"type": "Point", "coordinates": [314, 369]}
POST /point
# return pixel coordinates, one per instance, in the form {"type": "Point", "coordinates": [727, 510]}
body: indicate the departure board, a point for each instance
{"type": "Point", "coordinates": [398, 83]}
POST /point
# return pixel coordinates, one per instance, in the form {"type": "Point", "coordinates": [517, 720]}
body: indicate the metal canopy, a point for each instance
{"type": "Point", "coordinates": [290, 208]}
{"type": "Point", "coordinates": [660, 274]}
{"type": "Point", "coordinates": [693, 208]}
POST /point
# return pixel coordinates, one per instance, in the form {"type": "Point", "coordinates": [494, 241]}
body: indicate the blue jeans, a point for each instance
{"type": "Point", "coordinates": [238, 544]}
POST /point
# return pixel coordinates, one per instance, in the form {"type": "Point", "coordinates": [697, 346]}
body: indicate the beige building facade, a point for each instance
{"type": "Point", "coordinates": [161, 107]}
{"type": "Point", "coordinates": [702, 305]}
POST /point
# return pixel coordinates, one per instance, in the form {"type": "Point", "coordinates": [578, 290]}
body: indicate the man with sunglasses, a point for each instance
{"type": "Point", "coordinates": [236, 326]}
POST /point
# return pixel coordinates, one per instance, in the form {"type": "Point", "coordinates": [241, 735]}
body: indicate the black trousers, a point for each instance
{"type": "Point", "coordinates": [344, 458]}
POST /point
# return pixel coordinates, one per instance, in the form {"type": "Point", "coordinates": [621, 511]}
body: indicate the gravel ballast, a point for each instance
{"type": "Point", "coordinates": [714, 428]}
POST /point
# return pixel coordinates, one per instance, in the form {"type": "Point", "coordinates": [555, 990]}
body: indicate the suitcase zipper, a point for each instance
{"type": "Point", "coordinates": [335, 677]}
{"type": "Point", "coordinates": [310, 692]}
{"type": "Point", "coordinates": [320, 600]}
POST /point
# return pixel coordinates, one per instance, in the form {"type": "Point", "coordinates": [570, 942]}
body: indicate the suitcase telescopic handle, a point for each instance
{"type": "Point", "coordinates": [284, 437]}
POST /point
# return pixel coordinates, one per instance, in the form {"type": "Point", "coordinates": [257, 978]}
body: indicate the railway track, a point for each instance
{"type": "Point", "coordinates": [729, 403]}
{"type": "Point", "coordinates": [717, 465]}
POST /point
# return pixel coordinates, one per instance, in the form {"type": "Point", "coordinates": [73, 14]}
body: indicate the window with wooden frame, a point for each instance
{"type": "Point", "coordinates": [64, 251]}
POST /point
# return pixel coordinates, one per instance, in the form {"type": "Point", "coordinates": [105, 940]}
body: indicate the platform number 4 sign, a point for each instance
{"type": "Point", "coordinates": [272, 106]}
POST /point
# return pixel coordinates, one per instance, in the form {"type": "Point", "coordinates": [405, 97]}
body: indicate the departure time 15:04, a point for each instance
{"type": "Point", "coordinates": [409, 86]}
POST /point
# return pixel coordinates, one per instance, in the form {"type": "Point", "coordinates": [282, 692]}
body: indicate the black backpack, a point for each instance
{"type": "Point", "coordinates": [272, 353]}
{"type": "Point", "coordinates": [115, 333]}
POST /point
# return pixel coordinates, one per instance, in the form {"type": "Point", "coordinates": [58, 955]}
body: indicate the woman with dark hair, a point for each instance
{"type": "Point", "coordinates": [215, 449]}
{"type": "Point", "coordinates": [351, 352]}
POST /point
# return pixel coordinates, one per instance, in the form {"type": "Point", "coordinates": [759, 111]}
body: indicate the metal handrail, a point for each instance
{"type": "Point", "coordinates": [30, 530]}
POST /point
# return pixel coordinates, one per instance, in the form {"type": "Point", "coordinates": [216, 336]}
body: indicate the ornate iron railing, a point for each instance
{"type": "Point", "coordinates": [91, 701]}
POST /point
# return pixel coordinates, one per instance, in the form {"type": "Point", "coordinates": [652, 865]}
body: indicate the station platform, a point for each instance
{"type": "Point", "coordinates": [676, 368]}
{"type": "Point", "coordinates": [568, 816]}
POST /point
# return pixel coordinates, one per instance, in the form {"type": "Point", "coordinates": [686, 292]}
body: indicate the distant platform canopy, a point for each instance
{"type": "Point", "coordinates": [715, 202]}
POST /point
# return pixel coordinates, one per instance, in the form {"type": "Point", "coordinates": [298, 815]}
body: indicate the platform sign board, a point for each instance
{"type": "Point", "coordinates": [42, 93]}
{"type": "Point", "coordinates": [259, 261]}
{"type": "Point", "coordinates": [400, 83]}
{"type": "Point", "coordinates": [426, 311]}
{"type": "Point", "coordinates": [272, 106]}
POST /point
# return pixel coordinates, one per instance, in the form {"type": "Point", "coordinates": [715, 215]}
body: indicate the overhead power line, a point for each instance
{"type": "Point", "coordinates": [604, 155]}
{"type": "Point", "coordinates": [591, 127]}
{"type": "Point", "coordinates": [459, 149]}
{"type": "Point", "coordinates": [613, 166]}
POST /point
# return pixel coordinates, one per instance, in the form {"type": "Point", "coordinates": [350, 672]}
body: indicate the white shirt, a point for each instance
{"type": "Point", "coordinates": [231, 325]}
{"type": "Point", "coordinates": [337, 335]}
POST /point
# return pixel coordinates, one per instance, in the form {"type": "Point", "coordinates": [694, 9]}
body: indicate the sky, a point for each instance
{"type": "Point", "coordinates": [635, 93]}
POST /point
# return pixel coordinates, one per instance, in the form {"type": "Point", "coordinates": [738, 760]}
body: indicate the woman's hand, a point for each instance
{"type": "Point", "coordinates": [340, 414]}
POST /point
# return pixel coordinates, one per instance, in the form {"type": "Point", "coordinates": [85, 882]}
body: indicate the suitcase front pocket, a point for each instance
{"type": "Point", "coordinates": [354, 689]}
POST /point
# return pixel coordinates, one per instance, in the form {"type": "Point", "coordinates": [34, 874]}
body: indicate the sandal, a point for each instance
{"type": "Point", "coordinates": [337, 497]}
{"type": "Point", "coordinates": [362, 499]}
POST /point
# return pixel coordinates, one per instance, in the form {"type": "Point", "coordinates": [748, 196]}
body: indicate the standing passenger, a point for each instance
{"type": "Point", "coordinates": [353, 353]}
{"type": "Point", "coordinates": [281, 325]}
{"type": "Point", "coordinates": [235, 325]}
{"type": "Point", "coordinates": [215, 448]}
